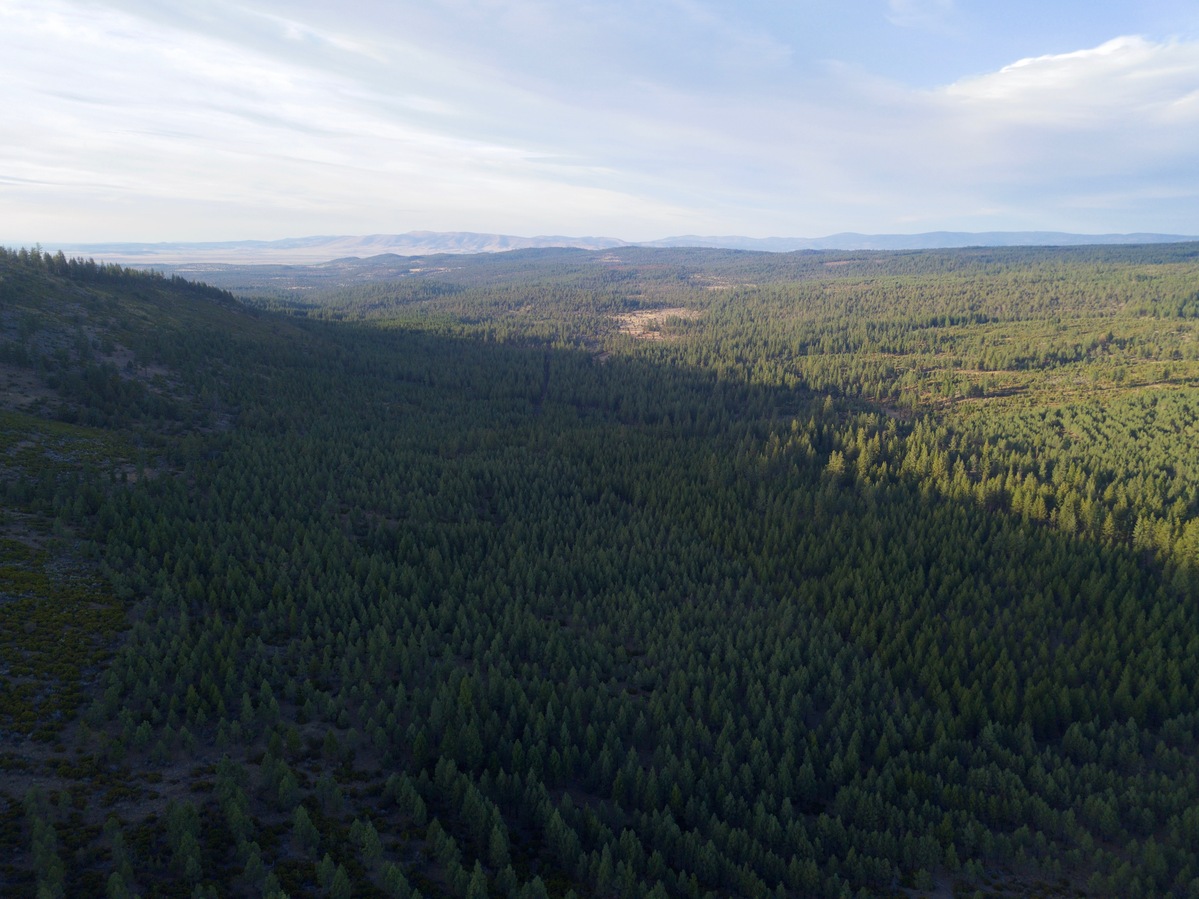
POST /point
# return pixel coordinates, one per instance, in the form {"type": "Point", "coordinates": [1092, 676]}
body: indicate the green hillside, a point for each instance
{"type": "Point", "coordinates": [667, 573]}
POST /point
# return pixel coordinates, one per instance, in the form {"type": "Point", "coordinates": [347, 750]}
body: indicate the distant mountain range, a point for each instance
{"type": "Point", "coordinates": [309, 250]}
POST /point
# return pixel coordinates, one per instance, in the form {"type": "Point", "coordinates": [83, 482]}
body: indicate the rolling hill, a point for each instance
{"type": "Point", "coordinates": [638, 571]}
{"type": "Point", "coordinates": [313, 250]}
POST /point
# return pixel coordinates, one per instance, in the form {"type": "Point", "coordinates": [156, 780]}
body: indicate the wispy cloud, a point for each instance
{"type": "Point", "coordinates": [260, 116]}
{"type": "Point", "coordinates": [198, 119]}
{"type": "Point", "coordinates": [919, 13]}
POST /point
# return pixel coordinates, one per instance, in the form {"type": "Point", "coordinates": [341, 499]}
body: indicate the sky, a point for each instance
{"type": "Point", "coordinates": [154, 120]}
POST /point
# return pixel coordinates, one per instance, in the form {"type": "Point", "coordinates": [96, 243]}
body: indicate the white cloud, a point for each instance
{"type": "Point", "coordinates": [1127, 76]}
{"type": "Point", "coordinates": [1122, 112]}
{"type": "Point", "coordinates": [1053, 135]}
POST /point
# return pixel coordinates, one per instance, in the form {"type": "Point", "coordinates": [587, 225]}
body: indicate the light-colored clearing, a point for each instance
{"type": "Point", "coordinates": [647, 324]}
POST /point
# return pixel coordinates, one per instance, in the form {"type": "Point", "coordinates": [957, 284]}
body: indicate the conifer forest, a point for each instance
{"type": "Point", "coordinates": [629, 573]}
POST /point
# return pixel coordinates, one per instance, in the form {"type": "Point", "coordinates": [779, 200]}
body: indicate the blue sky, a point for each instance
{"type": "Point", "coordinates": [163, 121]}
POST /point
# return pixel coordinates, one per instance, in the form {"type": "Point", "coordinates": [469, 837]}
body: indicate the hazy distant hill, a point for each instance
{"type": "Point", "coordinates": [931, 240]}
{"type": "Point", "coordinates": [309, 250]}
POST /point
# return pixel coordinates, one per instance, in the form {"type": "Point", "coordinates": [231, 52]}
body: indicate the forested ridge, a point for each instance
{"type": "Point", "coordinates": [635, 573]}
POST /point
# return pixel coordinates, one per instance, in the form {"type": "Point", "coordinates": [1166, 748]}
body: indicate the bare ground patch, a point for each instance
{"type": "Point", "coordinates": [649, 324]}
